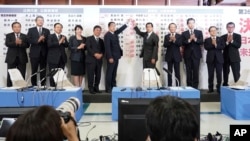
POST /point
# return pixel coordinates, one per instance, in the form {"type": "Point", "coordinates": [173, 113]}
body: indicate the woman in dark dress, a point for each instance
{"type": "Point", "coordinates": [77, 56]}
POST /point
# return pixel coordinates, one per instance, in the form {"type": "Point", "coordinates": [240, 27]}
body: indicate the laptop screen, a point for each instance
{"type": "Point", "coordinates": [5, 126]}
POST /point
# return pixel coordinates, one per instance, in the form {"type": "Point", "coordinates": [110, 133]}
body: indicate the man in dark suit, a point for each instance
{"type": "Point", "coordinates": [16, 56]}
{"type": "Point", "coordinates": [113, 53]}
{"type": "Point", "coordinates": [173, 42]}
{"type": "Point", "coordinates": [38, 36]}
{"type": "Point", "coordinates": [95, 51]}
{"type": "Point", "coordinates": [214, 46]}
{"type": "Point", "coordinates": [192, 40]}
{"type": "Point", "coordinates": [56, 50]}
{"type": "Point", "coordinates": [231, 53]}
{"type": "Point", "coordinates": [149, 47]}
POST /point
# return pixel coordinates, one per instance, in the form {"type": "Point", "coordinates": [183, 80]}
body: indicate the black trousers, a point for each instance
{"type": "Point", "coordinates": [111, 74]}
{"type": "Point", "coordinates": [218, 68]}
{"type": "Point", "coordinates": [176, 66]}
{"type": "Point", "coordinates": [20, 66]}
{"type": "Point", "coordinates": [40, 62]}
{"type": "Point", "coordinates": [192, 71]}
{"type": "Point", "coordinates": [235, 66]}
{"type": "Point", "coordinates": [61, 65]}
{"type": "Point", "coordinates": [94, 74]}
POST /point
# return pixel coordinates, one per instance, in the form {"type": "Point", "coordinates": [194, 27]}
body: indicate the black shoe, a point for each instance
{"type": "Point", "coordinates": [225, 84]}
{"type": "Point", "coordinates": [91, 91]}
{"type": "Point", "coordinates": [96, 89]}
{"type": "Point", "coordinates": [210, 91]}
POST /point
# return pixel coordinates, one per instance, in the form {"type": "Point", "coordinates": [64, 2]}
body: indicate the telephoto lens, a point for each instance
{"type": "Point", "coordinates": [70, 105]}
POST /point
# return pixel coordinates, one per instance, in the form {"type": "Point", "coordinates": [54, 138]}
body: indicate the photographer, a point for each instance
{"type": "Point", "coordinates": [42, 124]}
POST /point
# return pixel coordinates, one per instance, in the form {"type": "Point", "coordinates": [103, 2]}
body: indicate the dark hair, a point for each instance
{"type": "Point", "coordinates": [211, 27]}
{"type": "Point", "coordinates": [110, 23]}
{"type": "Point", "coordinates": [190, 19]}
{"type": "Point", "coordinates": [97, 26]}
{"type": "Point", "coordinates": [149, 23]}
{"type": "Point", "coordinates": [57, 24]}
{"type": "Point", "coordinates": [230, 23]}
{"type": "Point", "coordinates": [39, 17]}
{"type": "Point", "coordinates": [40, 124]}
{"type": "Point", "coordinates": [171, 24]}
{"type": "Point", "coordinates": [78, 26]}
{"type": "Point", "coordinates": [15, 23]}
{"type": "Point", "coordinates": [170, 118]}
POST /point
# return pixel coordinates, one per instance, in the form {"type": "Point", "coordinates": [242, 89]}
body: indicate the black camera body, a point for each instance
{"type": "Point", "coordinates": [70, 105]}
{"type": "Point", "coordinates": [65, 115]}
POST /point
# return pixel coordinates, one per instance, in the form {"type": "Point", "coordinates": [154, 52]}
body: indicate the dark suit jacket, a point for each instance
{"type": "Point", "coordinates": [214, 52]}
{"type": "Point", "coordinates": [150, 45]}
{"type": "Point", "coordinates": [93, 47]}
{"type": "Point", "coordinates": [37, 48]}
{"type": "Point", "coordinates": [192, 47]}
{"type": "Point", "coordinates": [112, 45]}
{"type": "Point", "coordinates": [173, 48]}
{"type": "Point", "coordinates": [76, 54]}
{"type": "Point", "coordinates": [55, 51]}
{"type": "Point", "coordinates": [231, 51]}
{"type": "Point", "coordinates": [16, 50]}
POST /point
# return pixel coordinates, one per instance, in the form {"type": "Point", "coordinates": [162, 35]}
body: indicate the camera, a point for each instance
{"type": "Point", "coordinates": [70, 105]}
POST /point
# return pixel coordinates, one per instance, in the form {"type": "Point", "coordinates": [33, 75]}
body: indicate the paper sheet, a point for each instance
{"type": "Point", "coordinates": [17, 78]}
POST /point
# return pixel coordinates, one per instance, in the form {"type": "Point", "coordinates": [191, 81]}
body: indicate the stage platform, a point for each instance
{"type": "Point", "coordinates": [106, 97]}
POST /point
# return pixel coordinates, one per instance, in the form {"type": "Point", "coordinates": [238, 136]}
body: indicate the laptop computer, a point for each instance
{"type": "Point", "coordinates": [5, 126]}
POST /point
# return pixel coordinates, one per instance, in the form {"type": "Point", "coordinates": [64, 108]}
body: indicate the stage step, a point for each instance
{"type": "Point", "coordinates": [106, 97]}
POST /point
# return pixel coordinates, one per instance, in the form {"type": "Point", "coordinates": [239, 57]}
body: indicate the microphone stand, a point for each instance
{"type": "Point", "coordinates": [52, 72]}
{"type": "Point", "coordinates": [32, 76]}
{"type": "Point", "coordinates": [178, 83]}
{"type": "Point", "coordinates": [158, 88]}
{"type": "Point", "coordinates": [56, 81]}
{"type": "Point", "coordinates": [149, 80]}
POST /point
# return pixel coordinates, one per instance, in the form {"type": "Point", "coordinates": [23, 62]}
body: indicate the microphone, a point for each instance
{"type": "Point", "coordinates": [158, 88]}
{"type": "Point", "coordinates": [32, 76]}
{"type": "Point", "coordinates": [51, 73]}
{"type": "Point", "coordinates": [87, 139]}
{"type": "Point", "coordinates": [149, 80]}
{"type": "Point", "coordinates": [178, 83]}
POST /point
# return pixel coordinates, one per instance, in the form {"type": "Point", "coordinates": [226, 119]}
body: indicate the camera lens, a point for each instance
{"type": "Point", "coordinates": [72, 104]}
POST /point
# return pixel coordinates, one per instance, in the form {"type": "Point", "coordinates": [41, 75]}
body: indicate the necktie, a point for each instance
{"type": "Point", "coordinates": [97, 39]}
{"type": "Point", "coordinates": [172, 34]}
{"type": "Point", "coordinates": [59, 37]}
{"type": "Point", "coordinates": [191, 32]}
{"type": "Point", "coordinates": [17, 35]}
{"type": "Point", "coordinates": [40, 31]}
{"type": "Point", "coordinates": [148, 35]}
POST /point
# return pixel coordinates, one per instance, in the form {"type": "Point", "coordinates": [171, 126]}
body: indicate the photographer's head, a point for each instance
{"type": "Point", "coordinates": [171, 119]}
{"type": "Point", "coordinates": [40, 124]}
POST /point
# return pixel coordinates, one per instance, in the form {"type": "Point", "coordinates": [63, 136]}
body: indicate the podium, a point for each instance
{"type": "Point", "coordinates": [31, 98]}
{"type": "Point", "coordinates": [235, 103]}
{"type": "Point", "coordinates": [187, 92]}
